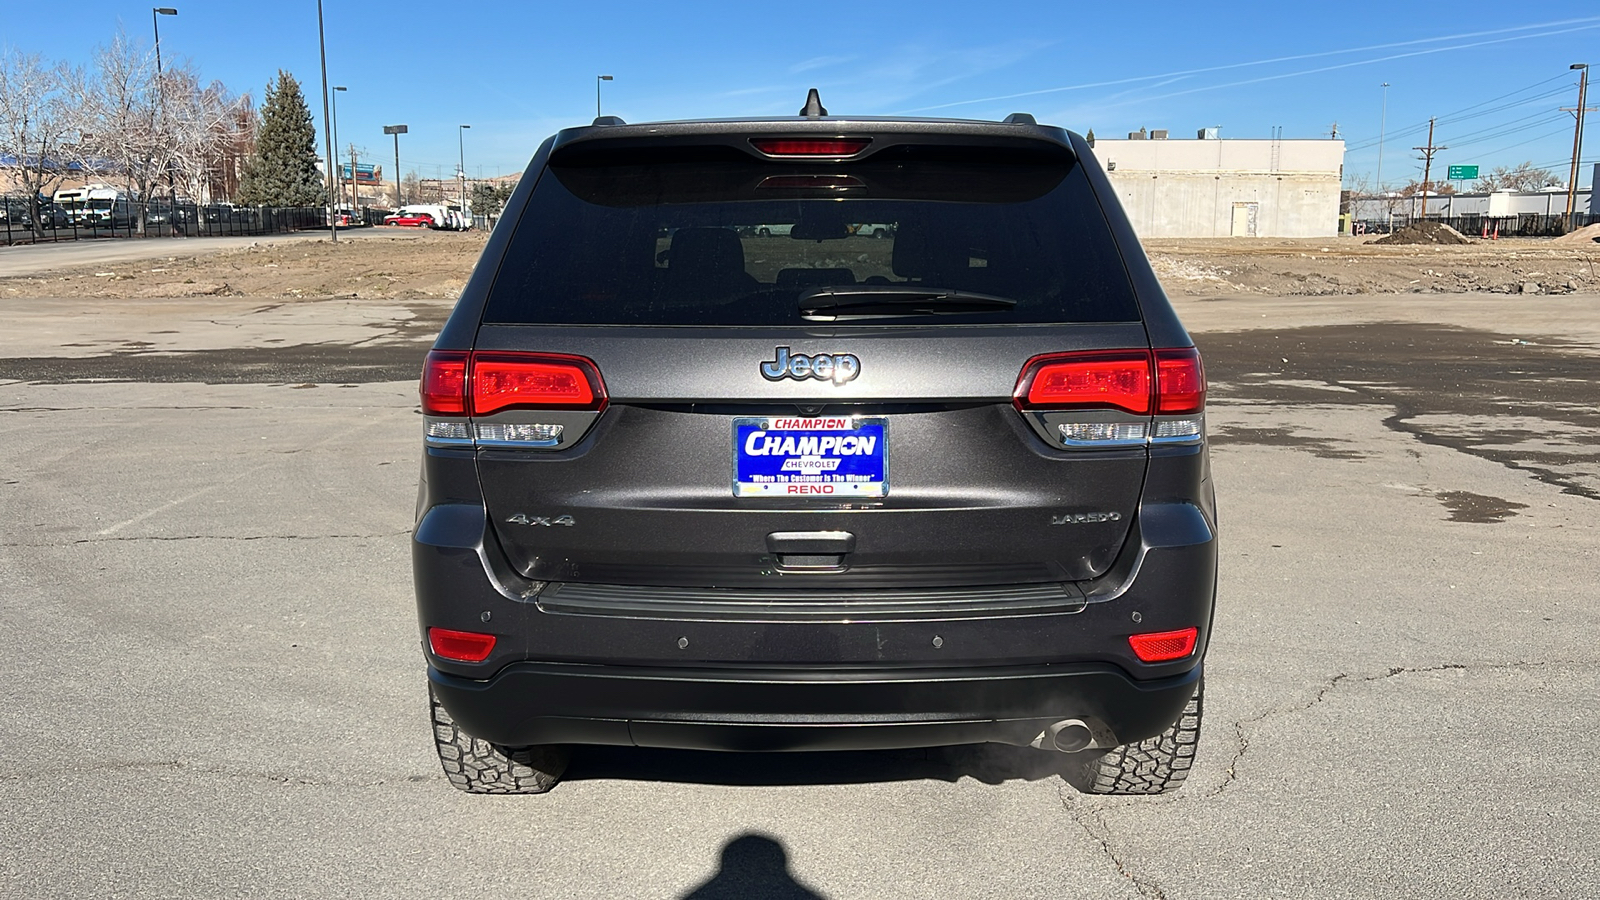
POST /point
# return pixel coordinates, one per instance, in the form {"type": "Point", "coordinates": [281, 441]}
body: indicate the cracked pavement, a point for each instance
{"type": "Point", "coordinates": [213, 687]}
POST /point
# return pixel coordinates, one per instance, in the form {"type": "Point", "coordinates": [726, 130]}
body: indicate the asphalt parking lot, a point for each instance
{"type": "Point", "coordinates": [212, 685]}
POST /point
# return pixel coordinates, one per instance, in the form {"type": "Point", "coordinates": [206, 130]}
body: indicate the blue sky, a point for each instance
{"type": "Point", "coordinates": [516, 72]}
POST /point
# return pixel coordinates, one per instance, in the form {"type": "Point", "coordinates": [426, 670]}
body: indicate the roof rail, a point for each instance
{"type": "Point", "coordinates": [608, 120]}
{"type": "Point", "coordinates": [1020, 119]}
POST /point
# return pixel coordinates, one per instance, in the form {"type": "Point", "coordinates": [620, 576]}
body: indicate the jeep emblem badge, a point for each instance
{"type": "Point", "coordinates": [835, 367]}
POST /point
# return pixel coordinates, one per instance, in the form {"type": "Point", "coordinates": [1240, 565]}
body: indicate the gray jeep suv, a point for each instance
{"type": "Point", "coordinates": [688, 486]}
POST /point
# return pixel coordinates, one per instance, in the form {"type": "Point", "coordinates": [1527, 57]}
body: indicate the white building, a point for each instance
{"type": "Point", "coordinates": [1220, 188]}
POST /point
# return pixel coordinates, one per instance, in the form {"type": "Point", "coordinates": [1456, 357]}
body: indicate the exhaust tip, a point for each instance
{"type": "Point", "coordinates": [1071, 736]}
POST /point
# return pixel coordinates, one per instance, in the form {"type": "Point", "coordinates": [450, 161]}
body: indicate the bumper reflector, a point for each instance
{"type": "Point", "coordinates": [461, 646]}
{"type": "Point", "coordinates": [1164, 646]}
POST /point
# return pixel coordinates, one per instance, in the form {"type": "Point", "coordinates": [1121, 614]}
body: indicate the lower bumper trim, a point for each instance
{"type": "Point", "coordinates": [746, 710]}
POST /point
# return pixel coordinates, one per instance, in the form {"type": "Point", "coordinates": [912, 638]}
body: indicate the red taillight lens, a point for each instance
{"type": "Point", "coordinates": [1114, 379]}
{"type": "Point", "coordinates": [1180, 382]}
{"type": "Point", "coordinates": [534, 381]}
{"type": "Point", "coordinates": [833, 147]}
{"type": "Point", "coordinates": [461, 646]}
{"type": "Point", "coordinates": [1164, 646]}
{"type": "Point", "coordinates": [444, 383]}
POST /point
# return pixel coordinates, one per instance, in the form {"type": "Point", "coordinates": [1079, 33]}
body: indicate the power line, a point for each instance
{"type": "Point", "coordinates": [1453, 116]}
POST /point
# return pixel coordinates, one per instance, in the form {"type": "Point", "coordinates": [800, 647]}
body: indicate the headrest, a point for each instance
{"type": "Point", "coordinates": [705, 248]}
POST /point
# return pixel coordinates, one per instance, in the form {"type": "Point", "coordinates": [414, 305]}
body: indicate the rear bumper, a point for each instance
{"type": "Point", "coordinates": [758, 710]}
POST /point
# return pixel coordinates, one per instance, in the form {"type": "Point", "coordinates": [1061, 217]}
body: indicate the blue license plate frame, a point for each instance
{"type": "Point", "coordinates": [811, 457]}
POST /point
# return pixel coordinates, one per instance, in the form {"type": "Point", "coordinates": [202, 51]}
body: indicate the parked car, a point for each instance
{"type": "Point", "coordinates": [950, 493]}
{"type": "Point", "coordinates": [411, 219]}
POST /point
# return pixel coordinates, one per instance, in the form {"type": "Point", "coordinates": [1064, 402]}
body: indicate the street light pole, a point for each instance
{"type": "Point", "coordinates": [461, 166]}
{"type": "Point", "coordinates": [396, 130]}
{"type": "Point", "coordinates": [155, 23]}
{"type": "Point", "coordinates": [597, 80]}
{"type": "Point", "coordinates": [327, 130]}
{"type": "Point", "coordinates": [338, 181]}
{"type": "Point", "coordinates": [156, 12]}
{"type": "Point", "coordinates": [1577, 145]}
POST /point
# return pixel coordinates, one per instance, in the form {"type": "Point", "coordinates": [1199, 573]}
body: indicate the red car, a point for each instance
{"type": "Point", "coordinates": [413, 219]}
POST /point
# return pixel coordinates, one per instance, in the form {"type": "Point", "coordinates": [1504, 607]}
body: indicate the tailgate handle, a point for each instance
{"type": "Point", "coordinates": [811, 543]}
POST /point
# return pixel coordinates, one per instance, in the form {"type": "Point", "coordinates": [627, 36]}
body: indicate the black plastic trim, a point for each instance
{"type": "Point", "coordinates": [542, 703]}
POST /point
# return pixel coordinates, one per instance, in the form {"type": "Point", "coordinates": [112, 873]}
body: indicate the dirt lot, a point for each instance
{"type": "Point", "coordinates": [376, 267]}
{"type": "Point", "coordinates": [436, 266]}
{"type": "Point", "coordinates": [1319, 266]}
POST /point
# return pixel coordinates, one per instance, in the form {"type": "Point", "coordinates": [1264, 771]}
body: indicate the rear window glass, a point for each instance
{"type": "Point", "coordinates": [740, 241]}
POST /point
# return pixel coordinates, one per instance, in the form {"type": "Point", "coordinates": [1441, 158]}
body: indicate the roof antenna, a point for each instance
{"type": "Point", "coordinates": [813, 105]}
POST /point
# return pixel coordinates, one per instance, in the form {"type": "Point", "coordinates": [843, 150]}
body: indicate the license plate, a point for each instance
{"type": "Point", "coordinates": [792, 456]}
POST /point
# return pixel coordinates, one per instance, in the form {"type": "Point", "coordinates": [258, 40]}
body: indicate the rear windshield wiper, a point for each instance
{"type": "Point", "coordinates": [874, 301]}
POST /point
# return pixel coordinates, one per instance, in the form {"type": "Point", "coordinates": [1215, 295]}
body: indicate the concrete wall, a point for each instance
{"type": "Point", "coordinates": [1190, 188]}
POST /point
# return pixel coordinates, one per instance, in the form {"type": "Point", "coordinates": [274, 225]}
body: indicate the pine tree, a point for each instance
{"type": "Point", "coordinates": [283, 169]}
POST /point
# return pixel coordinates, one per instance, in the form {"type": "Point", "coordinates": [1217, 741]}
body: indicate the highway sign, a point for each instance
{"type": "Point", "coordinates": [1462, 173]}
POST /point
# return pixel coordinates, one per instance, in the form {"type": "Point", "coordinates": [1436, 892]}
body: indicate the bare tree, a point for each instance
{"type": "Point", "coordinates": [149, 129]}
{"type": "Point", "coordinates": [1522, 177]}
{"type": "Point", "coordinates": [124, 131]}
{"type": "Point", "coordinates": [38, 122]}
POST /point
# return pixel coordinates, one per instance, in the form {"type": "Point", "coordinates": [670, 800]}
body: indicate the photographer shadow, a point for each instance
{"type": "Point", "coordinates": [753, 866]}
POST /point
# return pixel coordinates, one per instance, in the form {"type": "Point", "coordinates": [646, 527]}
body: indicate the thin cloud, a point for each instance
{"type": "Point", "coordinates": [819, 62]}
{"type": "Point", "coordinates": [1587, 22]}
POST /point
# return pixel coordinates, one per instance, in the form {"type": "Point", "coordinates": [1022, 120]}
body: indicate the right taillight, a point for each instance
{"type": "Point", "coordinates": [1102, 379]}
{"type": "Point", "coordinates": [1115, 398]}
{"type": "Point", "coordinates": [1180, 382]}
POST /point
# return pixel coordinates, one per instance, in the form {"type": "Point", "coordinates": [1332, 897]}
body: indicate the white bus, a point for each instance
{"type": "Point", "coordinates": [96, 205]}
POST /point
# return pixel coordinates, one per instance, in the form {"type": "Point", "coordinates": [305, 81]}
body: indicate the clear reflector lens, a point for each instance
{"type": "Point", "coordinates": [527, 435]}
{"type": "Point", "coordinates": [1104, 432]}
{"type": "Point", "coordinates": [1177, 428]}
{"type": "Point", "coordinates": [448, 431]}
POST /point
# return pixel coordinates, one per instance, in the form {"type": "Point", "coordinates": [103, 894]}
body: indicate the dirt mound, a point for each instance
{"type": "Point", "coordinates": [1588, 234]}
{"type": "Point", "coordinates": [1425, 233]}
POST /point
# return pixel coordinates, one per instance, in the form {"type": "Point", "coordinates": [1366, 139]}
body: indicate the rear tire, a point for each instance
{"type": "Point", "coordinates": [479, 767]}
{"type": "Point", "coordinates": [1155, 765]}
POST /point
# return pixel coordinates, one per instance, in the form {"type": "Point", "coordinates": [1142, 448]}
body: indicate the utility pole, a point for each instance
{"type": "Point", "coordinates": [1577, 145]}
{"type": "Point", "coordinates": [1383, 120]}
{"type": "Point", "coordinates": [1427, 166]}
{"type": "Point", "coordinates": [327, 134]}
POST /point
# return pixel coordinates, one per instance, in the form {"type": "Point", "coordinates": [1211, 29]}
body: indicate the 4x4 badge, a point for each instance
{"type": "Point", "coordinates": [835, 367]}
{"type": "Point", "coordinates": [522, 519]}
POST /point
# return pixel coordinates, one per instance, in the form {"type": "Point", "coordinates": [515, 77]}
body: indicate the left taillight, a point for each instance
{"type": "Point", "coordinates": [444, 383]}
{"type": "Point", "coordinates": [501, 381]}
{"type": "Point", "coordinates": [481, 383]}
{"type": "Point", "coordinates": [460, 386]}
